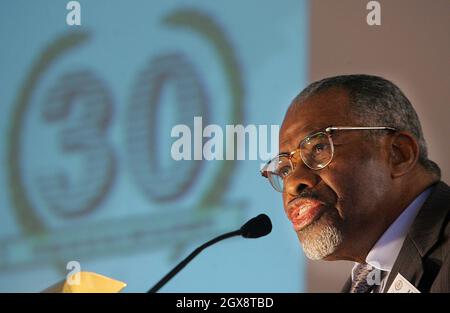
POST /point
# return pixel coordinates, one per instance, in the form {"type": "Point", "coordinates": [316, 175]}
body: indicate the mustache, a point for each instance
{"type": "Point", "coordinates": [309, 193]}
{"type": "Point", "coordinates": [312, 194]}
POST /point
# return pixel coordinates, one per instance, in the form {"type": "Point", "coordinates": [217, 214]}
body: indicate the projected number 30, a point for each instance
{"type": "Point", "coordinates": [79, 107]}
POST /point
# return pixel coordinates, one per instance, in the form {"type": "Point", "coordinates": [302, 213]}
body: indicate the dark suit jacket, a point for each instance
{"type": "Point", "coordinates": [424, 259]}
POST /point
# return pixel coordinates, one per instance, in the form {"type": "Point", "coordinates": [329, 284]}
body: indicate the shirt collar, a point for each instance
{"type": "Point", "coordinates": [385, 251]}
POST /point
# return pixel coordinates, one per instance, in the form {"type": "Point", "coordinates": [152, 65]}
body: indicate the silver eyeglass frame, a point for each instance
{"type": "Point", "coordinates": [328, 131]}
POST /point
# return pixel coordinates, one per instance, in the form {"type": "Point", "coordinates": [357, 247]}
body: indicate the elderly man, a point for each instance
{"type": "Point", "coordinates": [357, 185]}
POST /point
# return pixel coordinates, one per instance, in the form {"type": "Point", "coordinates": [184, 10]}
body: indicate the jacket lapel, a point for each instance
{"type": "Point", "coordinates": [408, 264]}
{"type": "Point", "coordinates": [422, 236]}
{"type": "Point", "coordinates": [347, 286]}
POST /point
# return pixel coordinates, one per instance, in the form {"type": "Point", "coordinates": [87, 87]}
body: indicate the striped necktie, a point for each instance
{"type": "Point", "coordinates": [360, 282]}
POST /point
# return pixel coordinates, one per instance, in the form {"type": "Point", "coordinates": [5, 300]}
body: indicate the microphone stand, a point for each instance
{"type": "Point", "coordinates": [183, 263]}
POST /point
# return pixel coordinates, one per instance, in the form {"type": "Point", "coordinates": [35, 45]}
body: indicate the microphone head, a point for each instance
{"type": "Point", "coordinates": [258, 226]}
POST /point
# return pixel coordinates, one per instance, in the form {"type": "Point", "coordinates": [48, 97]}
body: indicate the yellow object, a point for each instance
{"type": "Point", "coordinates": [87, 282]}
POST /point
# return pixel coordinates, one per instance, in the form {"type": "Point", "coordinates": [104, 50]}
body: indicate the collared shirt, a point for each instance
{"type": "Point", "coordinates": [383, 254]}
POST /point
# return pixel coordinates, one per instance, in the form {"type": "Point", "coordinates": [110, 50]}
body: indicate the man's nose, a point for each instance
{"type": "Point", "coordinates": [301, 178]}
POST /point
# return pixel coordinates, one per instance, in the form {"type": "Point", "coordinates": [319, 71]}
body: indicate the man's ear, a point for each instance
{"type": "Point", "coordinates": [404, 154]}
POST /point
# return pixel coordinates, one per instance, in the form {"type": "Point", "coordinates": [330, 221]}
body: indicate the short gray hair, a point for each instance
{"type": "Point", "coordinates": [376, 101]}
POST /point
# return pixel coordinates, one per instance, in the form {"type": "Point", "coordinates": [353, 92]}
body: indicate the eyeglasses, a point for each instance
{"type": "Point", "coordinates": [315, 150]}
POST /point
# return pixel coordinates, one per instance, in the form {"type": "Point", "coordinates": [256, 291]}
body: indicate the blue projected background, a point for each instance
{"type": "Point", "coordinates": [86, 115]}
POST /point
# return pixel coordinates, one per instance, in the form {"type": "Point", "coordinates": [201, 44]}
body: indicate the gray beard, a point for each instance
{"type": "Point", "coordinates": [319, 240]}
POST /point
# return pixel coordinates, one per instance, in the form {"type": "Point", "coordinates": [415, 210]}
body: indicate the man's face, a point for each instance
{"type": "Point", "coordinates": [336, 211]}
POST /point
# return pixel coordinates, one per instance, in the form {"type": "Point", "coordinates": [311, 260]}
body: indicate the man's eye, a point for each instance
{"type": "Point", "coordinates": [284, 171]}
{"type": "Point", "coordinates": [319, 148]}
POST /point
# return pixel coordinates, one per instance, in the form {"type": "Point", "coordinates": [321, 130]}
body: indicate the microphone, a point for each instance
{"type": "Point", "coordinates": [256, 227]}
